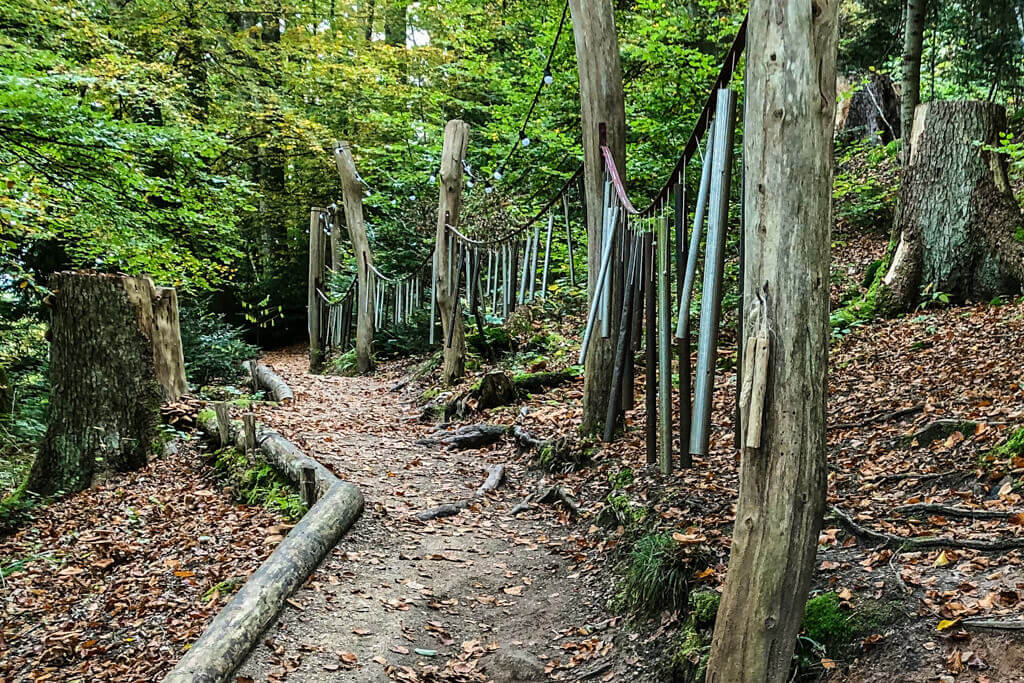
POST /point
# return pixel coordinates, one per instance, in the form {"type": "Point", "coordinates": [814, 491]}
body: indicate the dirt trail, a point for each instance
{"type": "Point", "coordinates": [481, 596]}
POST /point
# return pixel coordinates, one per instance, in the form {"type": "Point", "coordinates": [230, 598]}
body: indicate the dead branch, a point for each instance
{"type": "Point", "coordinates": [995, 624]}
{"type": "Point", "coordinates": [908, 543]}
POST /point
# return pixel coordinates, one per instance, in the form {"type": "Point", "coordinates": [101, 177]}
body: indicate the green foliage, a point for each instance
{"type": "Point", "coordinates": [1012, 447]}
{"type": "Point", "coordinates": [214, 349]}
{"type": "Point", "coordinates": [704, 607]}
{"type": "Point", "coordinates": [827, 622]}
{"type": "Point", "coordinates": [257, 483]}
{"type": "Point", "coordinates": [343, 364]}
{"type": "Point", "coordinates": [861, 308]}
{"type": "Point", "coordinates": [24, 394]}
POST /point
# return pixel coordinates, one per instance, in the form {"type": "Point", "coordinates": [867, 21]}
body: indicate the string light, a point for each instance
{"type": "Point", "coordinates": [524, 140]}
{"type": "Point", "coordinates": [497, 174]}
{"type": "Point", "coordinates": [548, 78]}
{"type": "Point", "coordinates": [488, 188]}
{"type": "Point", "coordinates": [433, 178]}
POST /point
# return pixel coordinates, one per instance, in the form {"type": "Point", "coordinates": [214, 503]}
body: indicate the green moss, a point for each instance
{"type": "Point", "coordinates": [1014, 446]}
{"type": "Point", "coordinates": [826, 622]}
{"type": "Point", "coordinates": [430, 394]}
{"type": "Point", "coordinates": [257, 483]}
{"type": "Point", "coordinates": [1019, 234]}
{"type": "Point", "coordinates": [704, 607]}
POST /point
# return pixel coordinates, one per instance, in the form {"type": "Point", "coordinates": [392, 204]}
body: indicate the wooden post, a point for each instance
{"type": "Point", "coordinates": [664, 351]}
{"type": "Point", "coordinates": [315, 282]}
{"type": "Point", "coordinates": [353, 198]}
{"type": "Point", "coordinates": [249, 427]}
{"type": "Point", "coordinates": [307, 485]}
{"type": "Point", "coordinates": [223, 411]}
{"type": "Point", "coordinates": [456, 137]}
{"type": "Point", "coordinates": [787, 145]}
{"type": "Point", "coordinates": [333, 221]}
{"type": "Point", "coordinates": [601, 101]}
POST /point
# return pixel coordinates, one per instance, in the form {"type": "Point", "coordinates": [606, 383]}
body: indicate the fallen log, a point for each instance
{"type": "Point", "coordinates": [495, 477]}
{"type": "Point", "coordinates": [924, 543]}
{"type": "Point", "coordinates": [265, 378]}
{"type": "Point", "coordinates": [994, 624]}
{"type": "Point", "coordinates": [238, 626]}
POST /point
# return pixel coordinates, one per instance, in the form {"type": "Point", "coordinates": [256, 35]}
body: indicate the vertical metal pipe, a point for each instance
{"type": "Point", "coordinates": [683, 344]}
{"type": "Point", "coordinates": [664, 349]}
{"type": "Point", "coordinates": [533, 259]}
{"type": "Point", "coordinates": [547, 256]}
{"type": "Point", "coordinates": [602, 277]}
{"type": "Point", "coordinates": [607, 225]}
{"type": "Point", "coordinates": [433, 294]}
{"type": "Point", "coordinates": [683, 324]}
{"type": "Point", "coordinates": [523, 275]}
{"type": "Point", "coordinates": [568, 240]}
{"type": "Point", "coordinates": [650, 353]}
{"type": "Point", "coordinates": [711, 296]}
{"type": "Point", "coordinates": [626, 380]}
{"type": "Point", "coordinates": [621, 352]}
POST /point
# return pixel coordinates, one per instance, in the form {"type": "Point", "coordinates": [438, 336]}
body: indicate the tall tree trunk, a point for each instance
{"type": "Point", "coordinates": [352, 193]}
{"type": "Point", "coordinates": [456, 137]}
{"type": "Point", "coordinates": [787, 147]}
{"type": "Point", "coordinates": [910, 96]}
{"type": "Point", "coordinates": [111, 364]}
{"type": "Point", "coordinates": [601, 101]}
{"type": "Point", "coordinates": [957, 219]}
{"type": "Point", "coordinates": [395, 22]}
{"type": "Point", "coordinates": [371, 10]}
{"type": "Point", "coordinates": [6, 394]}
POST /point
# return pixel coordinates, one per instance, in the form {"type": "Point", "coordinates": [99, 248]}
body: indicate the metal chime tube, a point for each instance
{"type": "Point", "coordinates": [664, 350]}
{"type": "Point", "coordinates": [533, 259]}
{"type": "Point", "coordinates": [621, 351]}
{"type": "Point", "coordinates": [568, 240]}
{"type": "Point", "coordinates": [433, 294]}
{"type": "Point", "coordinates": [718, 215]}
{"type": "Point", "coordinates": [606, 290]}
{"type": "Point", "coordinates": [526, 268]}
{"type": "Point", "coordinates": [683, 325]}
{"type": "Point", "coordinates": [602, 277]}
{"type": "Point", "coordinates": [605, 239]}
{"type": "Point", "coordinates": [547, 256]}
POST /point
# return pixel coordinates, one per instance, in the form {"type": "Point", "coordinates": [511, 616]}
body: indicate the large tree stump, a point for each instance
{"type": "Point", "coordinates": [872, 110]}
{"type": "Point", "coordinates": [957, 219]}
{"type": "Point", "coordinates": [115, 355]}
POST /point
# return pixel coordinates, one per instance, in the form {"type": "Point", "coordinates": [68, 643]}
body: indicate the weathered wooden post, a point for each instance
{"type": "Point", "coordinates": [787, 145]}
{"type": "Point", "coordinates": [456, 137]}
{"type": "Point", "coordinates": [223, 412]}
{"type": "Point", "coordinates": [352, 194]}
{"type": "Point", "coordinates": [314, 310]}
{"type": "Point", "coordinates": [249, 430]}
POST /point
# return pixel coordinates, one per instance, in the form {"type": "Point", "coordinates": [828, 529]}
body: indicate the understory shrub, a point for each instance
{"type": "Point", "coordinates": [657, 574]}
{"type": "Point", "coordinates": [257, 483]}
{"type": "Point", "coordinates": [214, 349]}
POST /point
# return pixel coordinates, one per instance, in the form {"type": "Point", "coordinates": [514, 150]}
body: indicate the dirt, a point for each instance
{"type": "Point", "coordinates": [478, 596]}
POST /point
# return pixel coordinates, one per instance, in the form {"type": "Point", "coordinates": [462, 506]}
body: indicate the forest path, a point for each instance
{"type": "Point", "coordinates": [481, 596]}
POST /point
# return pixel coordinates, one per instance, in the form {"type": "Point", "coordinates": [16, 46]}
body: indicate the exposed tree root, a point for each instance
{"type": "Point", "coordinates": [882, 417]}
{"type": "Point", "coordinates": [908, 543]}
{"type": "Point", "coordinates": [495, 477]}
{"type": "Point", "coordinates": [470, 436]}
{"type": "Point", "coordinates": [547, 496]}
{"type": "Point", "coordinates": [995, 624]}
{"type": "Point", "coordinates": [958, 511]}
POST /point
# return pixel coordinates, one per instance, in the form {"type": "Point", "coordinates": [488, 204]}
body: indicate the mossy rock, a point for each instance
{"type": "Point", "coordinates": [941, 429]}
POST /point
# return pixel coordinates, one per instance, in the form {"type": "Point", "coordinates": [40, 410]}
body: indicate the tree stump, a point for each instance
{"type": "Point", "coordinates": [115, 355]}
{"type": "Point", "coordinates": [958, 222]}
{"type": "Point", "coordinates": [871, 112]}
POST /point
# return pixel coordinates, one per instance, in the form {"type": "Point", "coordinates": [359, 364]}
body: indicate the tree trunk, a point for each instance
{"type": "Point", "coordinates": [456, 137]}
{"type": "Point", "coordinates": [112, 362]}
{"type": "Point", "coordinates": [601, 101]}
{"type": "Point", "coordinates": [910, 96]}
{"type": "Point", "coordinates": [315, 285]}
{"type": "Point", "coordinates": [787, 147]}
{"type": "Point", "coordinates": [6, 395]}
{"type": "Point", "coordinates": [352, 192]}
{"type": "Point", "coordinates": [957, 219]}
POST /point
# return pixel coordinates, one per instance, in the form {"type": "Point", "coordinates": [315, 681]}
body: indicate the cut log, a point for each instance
{"type": "Point", "coordinates": [238, 626]}
{"type": "Point", "coordinates": [117, 329]}
{"type": "Point", "coordinates": [267, 379]}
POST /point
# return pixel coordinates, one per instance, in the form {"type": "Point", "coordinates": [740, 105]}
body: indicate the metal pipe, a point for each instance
{"type": "Point", "coordinates": [523, 275]}
{"type": "Point", "coordinates": [664, 351]}
{"type": "Point", "coordinates": [683, 344]}
{"type": "Point", "coordinates": [606, 238]}
{"type": "Point", "coordinates": [650, 353]}
{"type": "Point", "coordinates": [533, 258]}
{"type": "Point", "coordinates": [683, 325]}
{"type": "Point", "coordinates": [433, 294]}
{"type": "Point", "coordinates": [568, 240]}
{"type": "Point", "coordinates": [611, 420]}
{"type": "Point", "coordinates": [547, 256]}
{"type": "Point", "coordinates": [606, 262]}
{"type": "Point", "coordinates": [711, 296]}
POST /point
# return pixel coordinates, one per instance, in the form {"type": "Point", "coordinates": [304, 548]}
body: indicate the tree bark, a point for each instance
{"type": "Point", "coordinates": [601, 101]}
{"type": "Point", "coordinates": [790, 109]}
{"type": "Point", "coordinates": [112, 362]}
{"type": "Point", "coordinates": [456, 137]}
{"type": "Point", "coordinates": [957, 219]}
{"type": "Point", "coordinates": [353, 196]}
{"type": "Point", "coordinates": [910, 96]}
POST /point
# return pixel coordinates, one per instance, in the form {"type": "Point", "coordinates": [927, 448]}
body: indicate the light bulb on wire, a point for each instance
{"type": "Point", "coordinates": [548, 78]}
{"type": "Point", "coordinates": [497, 174]}
{"type": "Point", "coordinates": [523, 139]}
{"type": "Point", "coordinates": [488, 188]}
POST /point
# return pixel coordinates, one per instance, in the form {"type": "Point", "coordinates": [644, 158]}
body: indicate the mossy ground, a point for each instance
{"type": "Point", "coordinates": [257, 483]}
